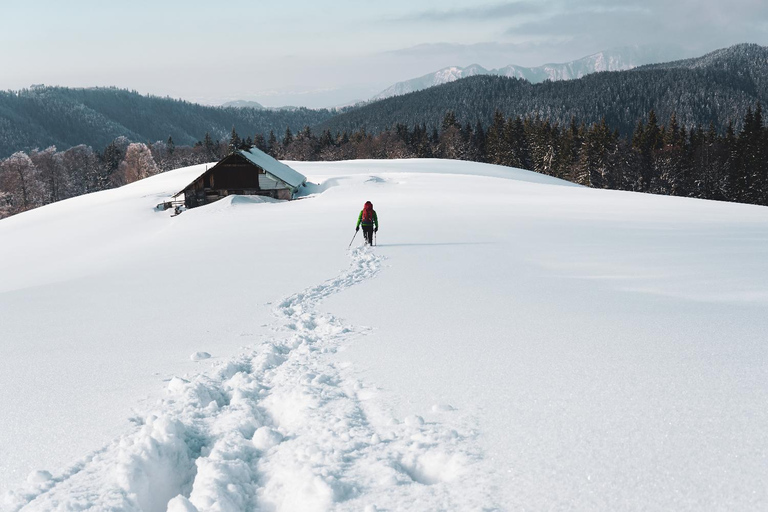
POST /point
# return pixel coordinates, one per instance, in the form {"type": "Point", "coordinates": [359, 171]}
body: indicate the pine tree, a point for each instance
{"type": "Point", "coordinates": [759, 165]}
{"type": "Point", "coordinates": [543, 143]}
{"type": "Point", "coordinates": [515, 145]}
{"type": "Point", "coordinates": [567, 155]}
{"type": "Point", "coordinates": [259, 142]}
{"type": "Point", "coordinates": [423, 147]}
{"type": "Point", "coordinates": [672, 135]}
{"type": "Point", "coordinates": [652, 137]}
{"type": "Point", "coordinates": [449, 120]}
{"type": "Point", "coordinates": [209, 147]}
{"type": "Point", "coordinates": [234, 141]}
{"type": "Point", "coordinates": [496, 144]}
{"type": "Point", "coordinates": [746, 167]}
{"type": "Point", "coordinates": [326, 139]}
{"type": "Point", "coordinates": [477, 143]}
{"type": "Point", "coordinates": [111, 159]}
{"type": "Point", "coordinates": [272, 144]}
{"type": "Point", "coordinates": [593, 163]}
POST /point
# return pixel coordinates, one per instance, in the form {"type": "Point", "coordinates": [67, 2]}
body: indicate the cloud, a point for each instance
{"type": "Point", "coordinates": [437, 49]}
{"type": "Point", "coordinates": [701, 25]}
{"type": "Point", "coordinates": [432, 56]}
{"type": "Point", "coordinates": [480, 13]}
{"type": "Point", "coordinates": [533, 32]}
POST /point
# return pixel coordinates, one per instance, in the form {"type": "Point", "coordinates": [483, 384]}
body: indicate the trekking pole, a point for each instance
{"type": "Point", "coordinates": [353, 239]}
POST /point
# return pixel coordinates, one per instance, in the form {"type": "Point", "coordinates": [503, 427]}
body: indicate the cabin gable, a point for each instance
{"type": "Point", "coordinates": [243, 173]}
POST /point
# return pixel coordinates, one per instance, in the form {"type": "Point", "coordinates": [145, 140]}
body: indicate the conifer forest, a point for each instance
{"type": "Point", "coordinates": [690, 128]}
{"type": "Point", "coordinates": [659, 157]}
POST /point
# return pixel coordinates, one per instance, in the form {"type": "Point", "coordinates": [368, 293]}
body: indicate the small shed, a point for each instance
{"type": "Point", "coordinates": [245, 172]}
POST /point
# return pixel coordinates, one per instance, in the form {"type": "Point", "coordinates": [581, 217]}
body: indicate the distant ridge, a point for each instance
{"type": "Point", "coordinates": [715, 88]}
{"type": "Point", "coordinates": [65, 117]}
{"type": "Point", "coordinates": [244, 104]}
{"type": "Point", "coordinates": [256, 105]}
{"type": "Point", "coordinates": [617, 59]}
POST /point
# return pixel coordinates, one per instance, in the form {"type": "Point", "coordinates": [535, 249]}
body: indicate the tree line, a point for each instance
{"type": "Point", "coordinates": [39, 177]}
{"type": "Point", "coordinates": [661, 158]}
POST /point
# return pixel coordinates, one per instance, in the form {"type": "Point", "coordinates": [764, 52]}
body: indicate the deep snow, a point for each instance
{"type": "Point", "coordinates": [514, 342]}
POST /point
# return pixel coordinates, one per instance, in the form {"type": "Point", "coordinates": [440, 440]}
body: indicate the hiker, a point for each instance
{"type": "Point", "coordinates": [369, 221]}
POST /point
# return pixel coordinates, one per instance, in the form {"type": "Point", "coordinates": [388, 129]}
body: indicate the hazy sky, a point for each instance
{"type": "Point", "coordinates": [323, 53]}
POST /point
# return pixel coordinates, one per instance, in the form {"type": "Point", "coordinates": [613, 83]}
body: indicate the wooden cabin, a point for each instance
{"type": "Point", "coordinates": [245, 172]}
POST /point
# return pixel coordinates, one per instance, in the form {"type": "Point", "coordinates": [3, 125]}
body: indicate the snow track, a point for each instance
{"type": "Point", "coordinates": [281, 428]}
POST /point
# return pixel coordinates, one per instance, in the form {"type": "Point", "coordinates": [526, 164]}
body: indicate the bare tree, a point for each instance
{"type": "Point", "coordinates": [83, 170]}
{"type": "Point", "coordinates": [137, 164]}
{"type": "Point", "coordinates": [5, 204]}
{"type": "Point", "coordinates": [18, 180]}
{"type": "Point", "coordinates": [51, 173]}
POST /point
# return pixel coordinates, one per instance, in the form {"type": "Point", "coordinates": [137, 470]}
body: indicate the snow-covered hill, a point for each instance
{"type": "Point", "coordinates": [513, 343]}
{"type": "Point", "coordinates": [617, 59]}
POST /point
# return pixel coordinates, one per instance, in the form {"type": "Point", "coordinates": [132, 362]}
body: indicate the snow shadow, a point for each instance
{"type": "Point", "coordinates": [430, 244]}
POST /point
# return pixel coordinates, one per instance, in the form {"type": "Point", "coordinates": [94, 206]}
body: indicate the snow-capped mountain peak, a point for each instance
{"type": "Point", "coordinates": [618, 59]}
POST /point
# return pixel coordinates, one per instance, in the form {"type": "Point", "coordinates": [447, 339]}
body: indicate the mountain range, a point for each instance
{"type": "Point", "coordinates": [715, 88]}
{"type": "Point", "coordinates": [617, 59]}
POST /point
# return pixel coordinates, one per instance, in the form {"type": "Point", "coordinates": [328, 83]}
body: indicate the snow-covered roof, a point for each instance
{"type": "Point", "coordinates": [274, 167]}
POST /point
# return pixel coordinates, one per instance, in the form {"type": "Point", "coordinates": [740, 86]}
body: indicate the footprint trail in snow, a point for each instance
{"type": "Point", "coordinates": [281, 428]}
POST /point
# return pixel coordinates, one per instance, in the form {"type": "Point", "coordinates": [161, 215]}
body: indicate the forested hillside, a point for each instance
{"type": "Point", "coordinates": [57, 116]}
{"type": "Point", "coordinates": [692, 128]}
{"type": "Point", "coordinates": [713, 89]}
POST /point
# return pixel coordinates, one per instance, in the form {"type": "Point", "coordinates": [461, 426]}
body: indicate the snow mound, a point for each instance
{"type": "Point", "coordinates": [39, 477]}
{"type": "Point", "coordinates": [266, 437]}
{"type": "Point", "coordinates": [375, 170]}
{"type": "Point", "coordinates": [238, 200]}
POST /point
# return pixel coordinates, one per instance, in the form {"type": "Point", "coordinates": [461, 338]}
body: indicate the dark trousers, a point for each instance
{"type": "Point", "coordinates": [368, 234]}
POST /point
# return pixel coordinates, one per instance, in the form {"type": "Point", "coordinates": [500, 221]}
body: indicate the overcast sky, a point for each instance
{"type": "Point", "coordinates": [323, 53]}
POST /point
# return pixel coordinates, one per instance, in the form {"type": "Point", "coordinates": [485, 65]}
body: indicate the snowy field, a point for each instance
{"type": "Point", "coordinates": [514, 342]}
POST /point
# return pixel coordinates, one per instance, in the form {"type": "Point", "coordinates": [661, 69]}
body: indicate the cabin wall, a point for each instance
{"type": "Point", "coordinates": [268, 182]}
{"type": "Point", "coordinates": [234, 175]}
